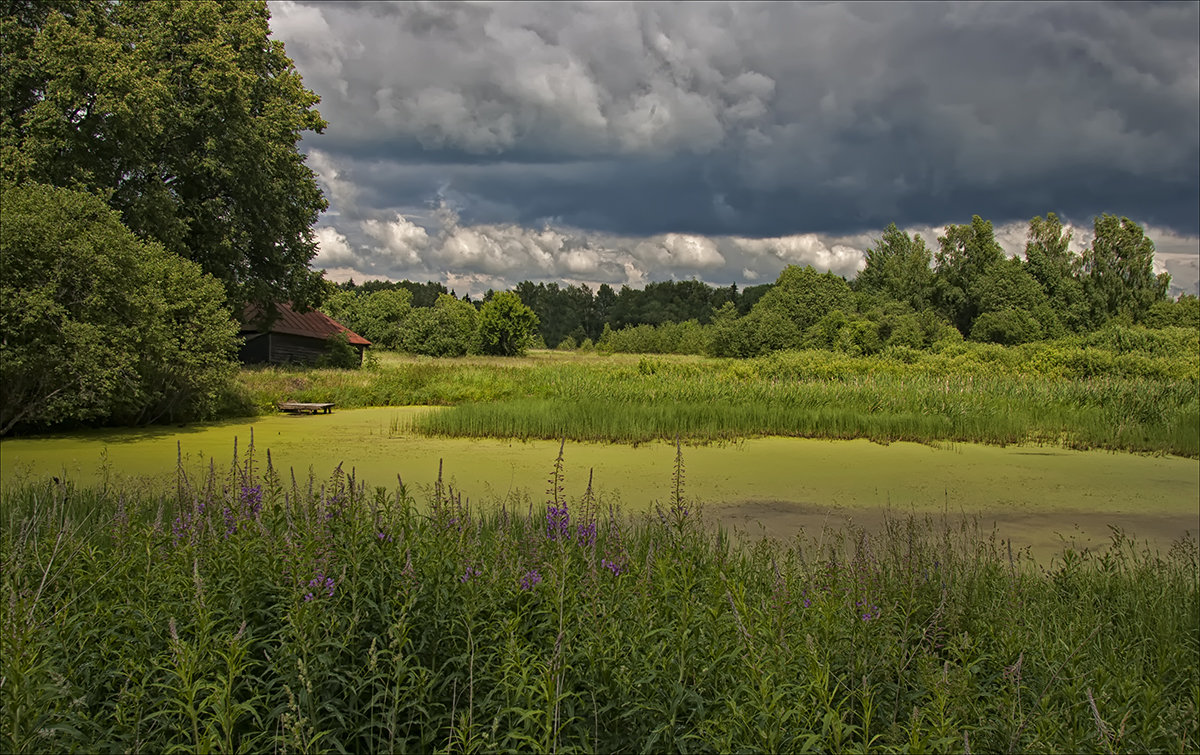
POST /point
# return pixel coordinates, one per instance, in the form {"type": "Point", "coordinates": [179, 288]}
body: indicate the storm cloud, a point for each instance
{"type": "Point", "coordinates": [622, 143]}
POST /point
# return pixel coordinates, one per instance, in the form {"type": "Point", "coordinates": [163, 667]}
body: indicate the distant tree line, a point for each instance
{"type": "Point", "coordinates": [575, 313]}
{"type": "Point", "coordinates": [450, 327]}
{"type": "Point", "coordinates": [907, 295]}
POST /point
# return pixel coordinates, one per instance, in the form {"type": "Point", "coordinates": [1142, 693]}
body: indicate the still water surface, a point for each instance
{"type": "Point", "coordinates": [1036, 496]}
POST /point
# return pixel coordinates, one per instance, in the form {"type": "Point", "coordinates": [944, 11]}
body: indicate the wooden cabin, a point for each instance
{"type": "Point", "coordinates": [292, 338]}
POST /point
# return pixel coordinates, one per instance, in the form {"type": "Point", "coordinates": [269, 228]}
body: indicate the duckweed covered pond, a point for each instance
{"type": "Point", "coordinates": [1036, 496]}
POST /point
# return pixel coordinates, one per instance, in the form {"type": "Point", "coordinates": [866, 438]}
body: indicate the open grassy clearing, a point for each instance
{"type": "Point", "coordinates": [242, 613]}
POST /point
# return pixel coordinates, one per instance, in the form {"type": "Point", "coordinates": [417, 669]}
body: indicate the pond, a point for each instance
{"type": "Point", "coordinates": [1036, 496]}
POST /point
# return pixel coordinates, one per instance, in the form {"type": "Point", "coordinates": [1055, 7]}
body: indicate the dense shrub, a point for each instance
{"type": "Point", "coordinates": [1008, 327]}
{"type": "Point", "coordinates": [100, 326]}
{"type": "Point", "coordinates": [339, 354]}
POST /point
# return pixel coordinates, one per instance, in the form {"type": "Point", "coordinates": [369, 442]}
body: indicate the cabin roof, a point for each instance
{"type": "Point", "coordinates": [313, 324]}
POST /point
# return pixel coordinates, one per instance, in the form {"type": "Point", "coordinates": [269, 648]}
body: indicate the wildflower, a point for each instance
{"type": "Point", "coordinates": [469, 573]}
{"type": "Point", "coordinates": [319, 584]}
{"type": "Point", "coordinates": [585, 534]}
{"type": "Point", "coordinates": [180, 527]}
{"type": "Point", "coordinates": [252, 499]}
{"type": "Point", "coordinates": [383, 537]}
{"type": "Point", "coordinates": [531, 579]}
{"type": "Point", "coordinates": [616, 567]}
{"type": "Point", "coordinates": [558, 519]}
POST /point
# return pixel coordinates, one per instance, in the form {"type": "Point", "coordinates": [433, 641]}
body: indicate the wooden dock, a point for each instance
{"type": "Point", "coordinates": [300, 407]}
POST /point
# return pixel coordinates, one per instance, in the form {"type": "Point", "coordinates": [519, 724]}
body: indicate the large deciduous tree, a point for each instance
{"type": "Point", "coordinates": [1049, 259]}
{"type": "Point", "coordinates": [377, 316]}
{"type": "Point", "coordinates": [447, 329]}
{"type": "Point", "coordinates": [1118, 271]}
{"type": "Point", "coordinates": [898, 266]}
{"type": "Point", "coordinates": [98, 325]}
{"type": "Point", "coordinates": [964, 255]}
{"type": "Point", "coordinates": [800, 297]}
{"type": "Point", "coordinates": [506, 326]}
{"type": "Point", "coordinates": [184, 116]}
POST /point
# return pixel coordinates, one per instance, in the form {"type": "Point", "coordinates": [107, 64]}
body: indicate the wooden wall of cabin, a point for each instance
{"type": "Point", "coordinates": [289, 349]}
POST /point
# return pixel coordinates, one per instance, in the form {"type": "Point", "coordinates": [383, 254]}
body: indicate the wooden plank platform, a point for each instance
{"type": "Point", "coordinates": [299, 407]}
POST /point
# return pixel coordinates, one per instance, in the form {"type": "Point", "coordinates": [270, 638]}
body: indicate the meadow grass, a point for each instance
{"type": "Point", "coordinates": [242, 612]}
{"type": "Point", "coordinates": [1081, 396]}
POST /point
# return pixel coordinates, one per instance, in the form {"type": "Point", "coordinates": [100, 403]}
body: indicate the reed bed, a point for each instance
{"type": "Point", "coordinates": [1131, 415]}
{"type": "Point", "coordinates": [1109, 396]}
{"type": "Point", "coordinates": [243, 612]}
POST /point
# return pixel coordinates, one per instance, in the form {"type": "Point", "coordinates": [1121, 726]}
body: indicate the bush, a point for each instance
{"type": "Point", "coordinates": [506, 326]}
{"type": "Point", "coordinates": [100, 326]}
{"type": "Point", "coordinates": [1183, 313]}
{"type": "Point", "coordinates": [1008, 327]}
{"type": "Point", "coordinates": [340, 354]}
{"type": "Point", "coordinates": [447, 329]}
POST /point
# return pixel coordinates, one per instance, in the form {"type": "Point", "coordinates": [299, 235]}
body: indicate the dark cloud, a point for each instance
{"type": "Point", "coordinates": [753, 119]}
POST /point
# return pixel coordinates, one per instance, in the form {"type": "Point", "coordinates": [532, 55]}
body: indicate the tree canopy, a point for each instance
{"type": "Point", "coordinates": [898, 267]}
{"type": "Point", "coordinates": [185, 117]}
{"type": "Point", "coordinates": [1119, 270]}
{"type": "Point", "coordinates": [506, 326]}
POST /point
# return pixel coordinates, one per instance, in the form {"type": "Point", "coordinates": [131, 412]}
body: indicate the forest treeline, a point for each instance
{"type": "Point", "coordinates": [907, 295]}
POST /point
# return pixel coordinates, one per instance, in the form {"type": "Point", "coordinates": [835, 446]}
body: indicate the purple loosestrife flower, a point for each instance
{"type": "Point", "coordinates": [616, 567]}
{"type": "Point", "coordinates": [585, 534]}
{"type": "Point", "coordinates": [531, 579]}
{"type": "Point", "coordinates": [319, 584]}
{"type": "Point", "coordinates": [252, 496]}
{"type": "Point", "coordinates": [181, 526]}
{"type": "Point", "coordinates": [469, 573]}
{"type": "Point", "coordinates": [558, 519]}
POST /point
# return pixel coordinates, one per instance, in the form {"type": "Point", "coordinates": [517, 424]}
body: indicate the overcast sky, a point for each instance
{"type": "Point", "coordinates": [481, 145]}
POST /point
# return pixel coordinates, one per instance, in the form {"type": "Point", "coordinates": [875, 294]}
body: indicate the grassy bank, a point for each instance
{"type": "Point", "coordinates": [243, 612]}
{"type": "Point", "coordinates": [1141, 396]}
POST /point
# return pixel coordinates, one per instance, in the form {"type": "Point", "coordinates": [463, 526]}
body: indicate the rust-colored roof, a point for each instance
{"type": "Point", "coordinates": [314, 324]}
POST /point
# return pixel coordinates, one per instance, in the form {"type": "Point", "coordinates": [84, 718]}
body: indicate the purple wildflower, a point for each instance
{"type": "Point", "coordinates": [557, 521]}
{"type": "Point", "coordinates": [469, 573]}
{"type": "Point", "coordinates": [585, 534]}
{"type": "Point", "coordinates": [181, 526]}
{"type": "Point", "coordinates": [616, 567]}
{"type": "Point", "coordinates": [383, 537]}
{"type": "Point", "coordinates": [252, 499]}
{"type": "Point", "coordinates": [319, 584]}
{"type": "Point", "coordinates": [531, 579]}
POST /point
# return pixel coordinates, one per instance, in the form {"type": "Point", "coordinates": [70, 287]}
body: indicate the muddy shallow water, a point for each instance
{"type": "Point", "coordinates": [1036, 496]}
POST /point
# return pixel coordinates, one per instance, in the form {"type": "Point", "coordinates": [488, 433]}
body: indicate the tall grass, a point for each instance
{"type": "Point", "coordinates": [249, 612]}
{"type": "Point", "coordinates": [1078, 395]}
